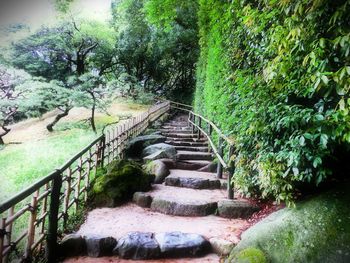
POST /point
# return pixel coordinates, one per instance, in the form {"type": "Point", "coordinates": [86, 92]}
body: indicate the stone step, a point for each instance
{"type": "Point", "coordinates": [194, 179]}
{"type": "Point", "coordinates": [189, 155]}
{"type": "Point", "coordinates": [181, 131]}
{"type": "Point", "coordinates": [193, 149]}
{"type": "Point", "coordinates": [173, 128]}
{"type": "Point", "coordinates": [176, 124]}
{"type": "Point", "coordinates": [190, 165]}
{"type": "Point", "coordinates": [182, 143]}
{"type": "Point", "coordinates": [180, 135]}
{"type": "Point", "coordinates": [184, 201]}
{"type": "Point", "coordinates": [175, 139]}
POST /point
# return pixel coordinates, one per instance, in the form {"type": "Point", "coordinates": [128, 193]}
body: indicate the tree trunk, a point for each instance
{"type": "Point", "coordinates": [92, 120]}
{"type": "Point", "coordinates": [6, 131]}
{"type": "Point", "coordinates": [49, 127]}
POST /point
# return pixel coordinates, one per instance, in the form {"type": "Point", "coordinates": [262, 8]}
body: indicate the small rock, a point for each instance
{"type": "Point", "coordinates": [177, 244]}
{"type": "Point", "coordinates": [221, 247]}
{"type": "Point", "coordinates": [159, 151]}
{"type": "Point", "coordinates": [210, 168]}
{"type": "Point", "coordinates": [136, 145]}
{"type": "Point", "coordinates": [159, 169]}
{"type": "Point", "coordinates": [142, 199]}
{"type": "Point", "coordinates": [98, 246]}
{"type": "Point", "coordinates": [236, 209]}
{"type": "Point", "coordinates": [72, 245]}
{"type": "Point", "coordinates": [137, 245]}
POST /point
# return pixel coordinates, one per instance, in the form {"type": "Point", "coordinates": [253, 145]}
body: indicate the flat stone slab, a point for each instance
{"type": "Point", "coordinates": [189, 155]}
{"type": "Point", "coordinates": [177, 244]}
{"type": "Point", "coordinates": [184, 164]}
{"type": "Point", "coordinates": [137, 245]}
{"type": "Point", "coordinates": [195, 183]}
{"type": "Point", "coordinates": [181, 208]}
{"type": "Point", "coordinates": [191, 148]}
{"type": "Point", "coordinates": [183, 143]}
{"type": "Point", "coordinates": [236, 209]}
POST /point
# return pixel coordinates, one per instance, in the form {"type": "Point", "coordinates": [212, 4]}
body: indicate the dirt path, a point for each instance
{"type": "Point", "coordinates": [35, 128]}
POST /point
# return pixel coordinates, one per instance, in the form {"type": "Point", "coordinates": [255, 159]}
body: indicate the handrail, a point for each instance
{"type": "Point", "coordinates": [58, 192]}
{"type": "Point", "coordinates": [217, 150]}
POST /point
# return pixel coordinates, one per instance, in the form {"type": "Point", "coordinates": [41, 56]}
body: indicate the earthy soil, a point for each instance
{"type": "Point", "coordinates": [35, 128]}
{"type": "Point", "coordinates": [121, 220]}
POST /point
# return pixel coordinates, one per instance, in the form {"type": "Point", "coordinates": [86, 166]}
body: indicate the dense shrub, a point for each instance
{"type": "Point", "coordinates": [275, 76]}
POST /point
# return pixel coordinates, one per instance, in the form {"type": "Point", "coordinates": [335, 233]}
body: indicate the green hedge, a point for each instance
{"type": "Point", "coordinates": [275, 76]}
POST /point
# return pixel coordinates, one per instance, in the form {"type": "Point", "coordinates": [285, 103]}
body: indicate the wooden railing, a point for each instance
{"type": "Point", "coordinates": [219, 143]}
{"type": "Point", "coordinates": [33, 217]}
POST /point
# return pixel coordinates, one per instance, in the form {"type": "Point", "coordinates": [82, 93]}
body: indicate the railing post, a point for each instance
{"type": "Point", "coordinates": [51, 245]}
{"type": "Point", "coordinates": [199, 125]}
{"type": "Point", "coordinates": [194, 121]}
{"type": "Point", "coordinates": [220, 152]}
{"type": "Point", "coordinates": [210, 130]}
{"type": "Point", "coordinates": [103, 147]}
{"type": "Point", "coordinates": [231, 170]}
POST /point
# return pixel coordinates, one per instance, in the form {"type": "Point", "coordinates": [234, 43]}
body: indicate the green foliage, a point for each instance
{"type": "Point", "coordinates": [250, 255]}
{"type": "Point", "coordinates": [275, 75]}
{"type": "Point", "coordinates": [120, 180]}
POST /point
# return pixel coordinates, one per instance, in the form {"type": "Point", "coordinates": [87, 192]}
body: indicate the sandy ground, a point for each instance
{"type": "Point", "coordinates": [117, 222]}
{"type": "Point", "coordinates": [211, 258]}
{"type": "Point", "coordinates": [35, 128]}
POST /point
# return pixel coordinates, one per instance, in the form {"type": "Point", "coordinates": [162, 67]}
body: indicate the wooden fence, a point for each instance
{"type": "Point", "coordinates": [39, 212]}
{"type": "Point", "coordinates": [219, 143]}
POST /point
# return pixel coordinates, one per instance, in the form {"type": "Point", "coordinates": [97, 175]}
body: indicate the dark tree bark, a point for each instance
{"type": "Point", "coordinates": [92, 119]}
{"type": "Point", "coordinates": [65, 112]}
{"type": "Point", "coordinates": [5, 131]}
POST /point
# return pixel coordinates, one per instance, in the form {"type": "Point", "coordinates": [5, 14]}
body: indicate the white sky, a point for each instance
{"type": "Point", "coordinates": [36, 13]}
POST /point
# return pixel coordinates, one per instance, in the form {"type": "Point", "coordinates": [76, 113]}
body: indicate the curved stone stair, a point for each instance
{"type": "Point", "coordinates": [189, 203]}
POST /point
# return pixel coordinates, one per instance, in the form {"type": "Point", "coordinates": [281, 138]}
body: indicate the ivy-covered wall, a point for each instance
{"type": "Point", "coordinates": [275, 75]}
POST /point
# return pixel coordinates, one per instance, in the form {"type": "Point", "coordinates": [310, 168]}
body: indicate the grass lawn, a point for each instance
{"type": "Point", "coordinates": [22, 164]}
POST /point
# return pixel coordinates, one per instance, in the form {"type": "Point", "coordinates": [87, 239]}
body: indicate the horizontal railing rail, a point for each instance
{"type": "Point", "coordinates": [39, 212]}
{"type": "Point", "coordinates": [202, 126]}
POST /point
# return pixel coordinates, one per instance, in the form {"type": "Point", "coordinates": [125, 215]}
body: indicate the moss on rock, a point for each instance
{"type": "Point", "coordinates": [317, 230]}
{"type": "Point", "coordinates": [118, 182]}
{"type": "Point", "coordinates": [250, 255]}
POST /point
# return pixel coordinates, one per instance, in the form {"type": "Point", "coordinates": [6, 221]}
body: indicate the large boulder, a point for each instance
{"type": "Point", "coordinates": [158, 169]}
{"type": "Point", "coordinates": [317, 230]}
{"type": "Point", "coordinates": [159, 151]}
{"type": "Point", "coordinates": [98, 246]}
{"type": "Point", "coordinates": [118, 182]}
{"type": "Point", "coordinates": [72, 245]}
{"type": "Point", "coordinates": [136, 145]}
{"type": "Point", "coordinates": [177, 244]}
{"type": "Point", "coordinates": [137, 245]}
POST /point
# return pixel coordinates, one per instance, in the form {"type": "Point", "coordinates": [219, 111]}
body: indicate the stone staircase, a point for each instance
{"type": "Point", "coordinates": [189, 210]}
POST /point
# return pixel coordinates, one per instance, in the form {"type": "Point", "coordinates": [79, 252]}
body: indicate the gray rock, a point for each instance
{"type": "Point", "coordinates": [220, 246]}
{"type": "Point", "coordinates": [158, 169]}
{"type": "Point", "coordinates": [136, 145]}
{"type": "Point", "coordinates": [72, 245]}
{"type": "Point", "coordinates": [159, 151]}
{"type": "Point", "coordinates": [179, 208]}
{"type": "Point", "coordinates": [98, 246]}
{"type": "Point", "coordinates": [142, 199]}
{"type": "Point", "coordinates": [137, 245]}
{"type": "Point", "coordinates": [209, 168]}
{"type": "Point", "coordinates": [194, 183]}
{"type": "Point", "coordinates": [236, 209]}
{"type": "Point", "coordinates": [177, 244]}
